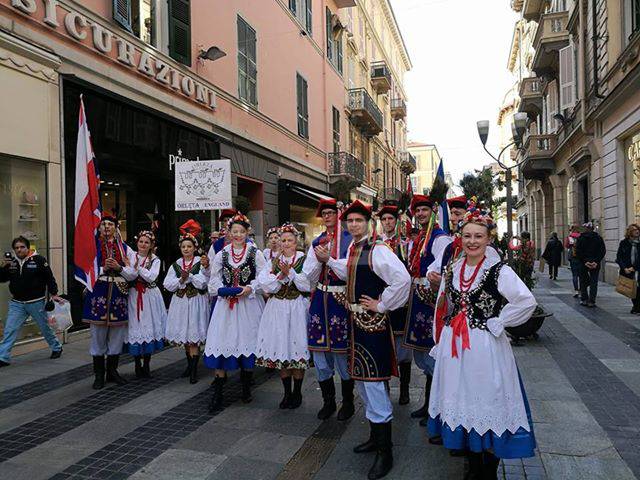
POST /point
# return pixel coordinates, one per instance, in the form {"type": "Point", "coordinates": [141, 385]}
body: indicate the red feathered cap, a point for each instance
{"type": "Point", "coordinates": [457, 202]}
{"type": "Point", "coordinates": [420, 201]}
{"type": "Point", "coordinates": [228, 213]}
{"type": "Point", "coordinates": [190, 226]}
{"type": "Point", "coordinates": [390, 209]}
{"type": "Point", "coordinates": [109, 217]}
{"type": "Point", "coordinates": [357, 207]}
{"type": "Point", "coordinates": [325, 203]}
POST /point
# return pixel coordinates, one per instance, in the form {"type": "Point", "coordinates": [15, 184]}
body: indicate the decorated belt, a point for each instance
{"type": "Point", "coordinates": [110, 279]}
{"type": "Point", "coordinates": [370, 322]}
{"type": "Point", "coordinates": [289, 292]}
{"type": "Point", "coordinates": [332, 288]}
{"type": "Point", "coordinates": [420, 281]}
{"type": "Point", "coordinates": [356, 308]}
{"type": "Point", "coordinates": [190, 291]}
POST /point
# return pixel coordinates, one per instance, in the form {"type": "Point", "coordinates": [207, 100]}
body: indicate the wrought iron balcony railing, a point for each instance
{"type": "Point", "coordinates": [365, 114]}
{"type": "Point", "coordinates": [380, 77]}
{"type": "Point", "coordinates": [345, 166]}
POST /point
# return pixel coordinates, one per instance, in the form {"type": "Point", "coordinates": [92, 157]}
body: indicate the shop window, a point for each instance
{"type": "Point", "coordinates": [23, 211]}
{"type": "Point", "coordinates": [302, 106]}
{"type": "Point", "coordinates": [247, 66]}
{"type": "Point", "coordinates": [301, 9]}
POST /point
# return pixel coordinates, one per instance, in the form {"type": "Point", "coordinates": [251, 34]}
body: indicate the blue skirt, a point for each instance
{"type": "Point", "coordinates": [508, 445]}
{"type": "Point", "coordinates": [145, 348]}
{"type": "Point", "coordinates": [230, 363]}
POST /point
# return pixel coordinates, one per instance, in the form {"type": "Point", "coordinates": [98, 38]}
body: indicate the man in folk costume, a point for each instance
{"type": "Point", "coordinates": [377, 283]}
{"type": "Point", "coordinates": [429, 244]}
{"type": "Point", "coordinates": [328, 327]}
{"type": "Point", "coordinates": [391, 235]}
{"type": "Point", "coordinates": [457, 209]}
{"type": "Point", "coordinates": [106, 307]}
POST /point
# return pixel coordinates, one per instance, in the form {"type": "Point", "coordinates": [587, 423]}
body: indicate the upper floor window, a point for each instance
{"type": "Point", "coordinates": [247, 66]}
{"type": "Point", "coordinates": [303, 106]}
{"type": "Point", "coordinates": [301, 9]}
{"type": "Point", "coordinates": [631, 18]}
{"type": "Point", "coordinates": [334, 40]}
{"type": "Point", "coordinates": [336, 129]}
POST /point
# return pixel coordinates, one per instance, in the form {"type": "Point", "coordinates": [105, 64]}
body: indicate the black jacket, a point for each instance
{"type": "Point", "coordinates": [590, 247]}
{"type": "Point", "coordinates": [553, 252]}
{"type": "Point", "coordinates": [623, 258]}
{"type": "Point", "coordinates": [29, 282]}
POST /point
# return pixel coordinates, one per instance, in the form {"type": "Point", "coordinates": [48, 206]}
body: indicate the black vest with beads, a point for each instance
{"type": "Point", "coordinates": [246, 270]}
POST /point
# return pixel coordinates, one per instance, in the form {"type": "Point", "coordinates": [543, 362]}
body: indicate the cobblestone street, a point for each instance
{"type": "Point", "coordinates": [582, 377]}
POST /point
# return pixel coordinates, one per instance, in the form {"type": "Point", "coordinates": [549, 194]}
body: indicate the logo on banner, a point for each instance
{"type": "Point", "coordinates": [203, 185]}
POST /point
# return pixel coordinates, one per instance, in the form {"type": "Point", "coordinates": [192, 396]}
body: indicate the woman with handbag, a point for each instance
{"type": "Point", "coordinates": [628, 259]}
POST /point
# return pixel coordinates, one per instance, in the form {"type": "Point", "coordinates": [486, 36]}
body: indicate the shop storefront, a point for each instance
{"type": "Point", "coordinates": [298, 205]}
{"type": "Point", "coordinates": [631, 149]}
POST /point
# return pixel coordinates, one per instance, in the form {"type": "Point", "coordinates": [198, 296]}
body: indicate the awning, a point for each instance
{"type": "Point", "coordinates": [310, 194]}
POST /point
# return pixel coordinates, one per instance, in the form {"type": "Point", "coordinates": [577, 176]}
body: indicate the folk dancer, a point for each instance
{"type": "Point", "coordinates": [282, 337]}
{"type": "Point", "coordinates": [377, 283]}
{"type": "Point", "coordinates": [273, 244]}
{"type": "Point", "coordinates": [106, 308]}
{"type": "Point", "coordinates": [328, 328]}
{"type": "Point", "coordinates": [489, 419]}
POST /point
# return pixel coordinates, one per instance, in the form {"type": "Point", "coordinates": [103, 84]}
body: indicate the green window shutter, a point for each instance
{"type": "Point", "coordinates": [329, 35]}
{"type": "Point", "coordinates": [122, 13]}
{"type": "Point", "coordinates": [309, 17]}
{"type": "Point", "coordinates": [292, 6]}
{"type": "Point", "coordinates": [339, 53]}
{"type": "Point", "coordinates": [180, 31]}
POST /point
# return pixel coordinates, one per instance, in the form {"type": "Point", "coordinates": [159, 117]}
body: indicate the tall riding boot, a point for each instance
{"type": "Point", "coordinates": [384, 455]}
{"type": "Point", "coordinates": [296, 396]}
{"type": "Point", "coordinates": [98, 370]}
{"type": "Point", "coordinates": [347, 409]}
{"type": "Point", "coordinates": [246, 377]}
{"type": "Point", "coordinates": [490, 466]}
{"type": "Point", "coordinates": [475, 466]}
{"type": "Point", "coordinates": [187, 371]}
{"type": "Point", "coordinates": [112, 370]}
{"type": "Point", "coordinates": [424, 410]}
{"type": "Point", "coordinates": [369, 445]}
{"type": "Point", "coordinates": [286, 384]}
{"type": "Point", "coordinates": [216, 400]}
{"type": "Point", "coordinates": [328, 389]}
{"type": "Point", "coordinates": [193, 378]}
{"type": "Point", "coordinates": [405, 380]}
{"type": "Point", "coordinates": [146, 366]}
{"type": "Point", "coordinates": [138, 361]}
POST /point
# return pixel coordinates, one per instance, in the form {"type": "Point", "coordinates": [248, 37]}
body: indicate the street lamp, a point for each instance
{"type": "Point", "coordinates": [518, 130]}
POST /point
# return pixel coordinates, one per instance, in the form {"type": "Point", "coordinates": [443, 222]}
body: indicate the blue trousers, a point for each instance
{"type": "Point", "coordinates": [17, 315]}
{"type": "Point", "coordinates": [403, 354]}
{"type": "Point", "coordinates": [328, 362]}
{"type": "Point", "coordinates": [424, 362]}
{"type": "Point", "coordinates": [377, 404]}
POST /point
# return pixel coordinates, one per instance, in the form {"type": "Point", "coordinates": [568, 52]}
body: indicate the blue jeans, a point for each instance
{"type": "Point", "coordinates": [424, 361]}
{"type": "Point", "coordinates": [18, 314]}
{"type": "Point", "coordinates": [328, 362]}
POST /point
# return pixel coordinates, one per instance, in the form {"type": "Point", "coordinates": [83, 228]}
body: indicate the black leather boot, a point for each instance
{"type": "Point", "coordinates": [146, 366]}
{"type": "Point", "coordinates": [98, 370]}
{"type": "Point", "coordinates": [369, 445]}
{"type": "Point", "coordinates": [424, 410]}
{"type": "Point", "coordinates": [112, 370]}
{"type": "Point", "coordinates": [490, 466]}
{"type": "Point", "coordinates": [384, 455]}
{"type": "Point", "coordinates": [347, 409]}
{"type": "Point", "coordinates": [187, 371]}
{"type": "Point", "coordinates": [296, 396]}
{"type": "Point", "coordinates": [328, 389]}
{"type": "Point", "coordinates": [405, 380]}
{"type": "Point", "coordinates": [193, 377]}
{"type": "Point", "coordinates": [138, 362]}
{"type": "Point", "coordinates": [216, 400]}
{"type": "Point", "coordinates": [246, 377]}
{"type": "Point", "coordinates": [286, 384]}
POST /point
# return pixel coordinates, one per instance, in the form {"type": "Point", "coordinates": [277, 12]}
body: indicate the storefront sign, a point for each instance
{"type": "Point", "coordinates": [203, 185]}
{"type": "Point", "coordinates": [173, 159]}
{"type": "Point", "coordinates": [109, 43]}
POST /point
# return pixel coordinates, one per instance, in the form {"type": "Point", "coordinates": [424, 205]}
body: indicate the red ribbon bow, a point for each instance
{"type": "Point", "coordinates": [460, 329]}
{"type": "Point", "coordinates": [140, 288]}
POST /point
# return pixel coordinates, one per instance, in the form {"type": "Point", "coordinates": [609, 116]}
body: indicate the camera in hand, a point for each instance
{"type": "Point", "coordinates": [7, 255]}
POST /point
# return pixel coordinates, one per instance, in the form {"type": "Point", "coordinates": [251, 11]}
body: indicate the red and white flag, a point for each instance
{"type": "Point", "coordinates": [87, 207]}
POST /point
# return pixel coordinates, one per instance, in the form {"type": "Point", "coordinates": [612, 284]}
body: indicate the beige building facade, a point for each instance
{"type": "Point", "coordinates": [427, 160]}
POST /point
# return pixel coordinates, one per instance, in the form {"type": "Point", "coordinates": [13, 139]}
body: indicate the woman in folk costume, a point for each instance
{"type": "Point", "coordinates": [273, 244]}
{"type": "Point", "coordinates": [188, 315]}
{"type": "Point", "coordinates": [147, 313]}
{"type": "Point", "coordinates": [233, 330]}
{"type": "Point", "coordinates": [282, 337]}
{"type": "Point", "coordinates": [477, 401]}
{"type": "Point", "coordinates": [106, 306]}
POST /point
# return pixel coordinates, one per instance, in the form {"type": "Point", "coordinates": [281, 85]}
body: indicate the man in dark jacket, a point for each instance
{"type": "Point", "coordinates": [29, 278]}
{"type": "Point", "coordinates": [590, 251]}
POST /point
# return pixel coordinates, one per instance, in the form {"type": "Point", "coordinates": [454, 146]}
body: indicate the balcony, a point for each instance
{"type": "Point", "coordinates": [365, 114]}
{"type": "Point", "coordinates": [380, 77]}
{"type": "Point", "coordinates": [551, 36]}
{"type": "Point", "coordinates": [532, 9]}
{"type": "Point", "coordinates": [407, 162]}
{"type": "Point", "coordinates": [343, 166]}
{"type": "Point", "coordinates": [398, 108]}
{"type": "Point", "coordinates": [538, 156]}
{"type": "Point", "coordinates": [345, 3]}
{"type": "Point", "coordinates": [531, 95]}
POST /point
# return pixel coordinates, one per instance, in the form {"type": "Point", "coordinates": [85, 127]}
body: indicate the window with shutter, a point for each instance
{"type": "Point", "coordinates": [329, 34]}
{"type": "Point", "coordinates": [567, 79]}
{"type": "Point", "coordinates": [552, 106]}
{"type": "Point", "coordinates": [180, 31]}
{"type": "Point", "coordinates": [247, 66]}
{"type": "Point", "coordinates": [122, 14]}
{"type": "Point", "coordinates": [336, 129]}
{"type": "Point", "coordinates": [309, 19]}
{"type": "Point", "coordinates": [302, 107]}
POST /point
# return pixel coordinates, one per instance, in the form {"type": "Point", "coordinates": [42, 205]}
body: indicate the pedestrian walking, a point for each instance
{"type": "Point", "coordinates": [628, 259]}
{"type": "Point", "coordinates": [147, 312]}
{"type": "Point", "coordinates": [590, 250]}
{"type": "Point", "coordinates": [377, 283]}
{"type": "Point", "coordinates": [273, 244]}
{"type": "Point", "coordinates": [30, 281]}
{"type": "Point", "coordinates": [553, 255]}
{"type": "Point", "coordinates": [488, 419]}
{"type": "Point", "coordinates": [232, 336]}
{"type": "Point", "coordinates": [106, 307]}
{"type": "Point", "coordinates": [574, 263]}
{"type": "Point", "coordinates": [282, 336]}
{"type": "Point", "coordinates": [188, 316]}
{"type": "Point", "coordinates": [328, 328]}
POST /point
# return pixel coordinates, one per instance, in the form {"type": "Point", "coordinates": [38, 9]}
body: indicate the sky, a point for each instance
{"type": "Point", "coordinates": [459, 50]}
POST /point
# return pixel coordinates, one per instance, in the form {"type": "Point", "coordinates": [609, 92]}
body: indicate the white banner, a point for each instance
{"type": "Point", "coordinates": [203, 185]}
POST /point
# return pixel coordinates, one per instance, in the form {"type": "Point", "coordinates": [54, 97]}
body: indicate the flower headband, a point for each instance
{"type": "Point", "coordinates": [273, 230]}
{"type": "Point", "coordinates": [188, 236]}
{"type": "Point", "coordinates": [475, 214]}
{"type": "Point", "coordinates": [240, 219]}
{"type": "Point", "coordinates": [149, 234]}
{"type": "Point", "coordinates": [289, 228]}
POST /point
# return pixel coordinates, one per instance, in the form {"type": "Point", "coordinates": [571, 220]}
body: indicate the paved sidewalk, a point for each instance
{"type": "Point", "coordinates": [582, 378]}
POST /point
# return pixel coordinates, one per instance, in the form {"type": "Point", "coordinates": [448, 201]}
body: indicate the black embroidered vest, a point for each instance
{"type": "Point", "coordinates": [364, 281]}
{"type": "Point", "coordinates": [246, 271]}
